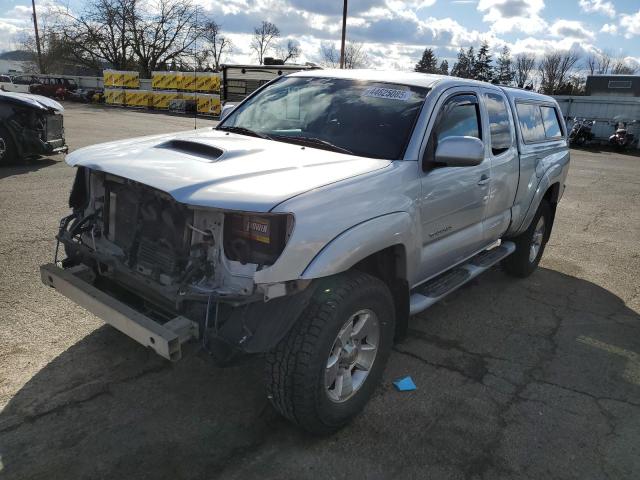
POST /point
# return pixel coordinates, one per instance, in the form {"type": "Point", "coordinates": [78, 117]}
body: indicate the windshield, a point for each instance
{"type": "Point", "coordinates": [370, 119]}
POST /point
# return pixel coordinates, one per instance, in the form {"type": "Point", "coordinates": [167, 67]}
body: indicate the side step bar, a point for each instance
{"type": "Point", "coordinates": [425, 295]}
{"type": "Point", "coordinates": [165, 339]}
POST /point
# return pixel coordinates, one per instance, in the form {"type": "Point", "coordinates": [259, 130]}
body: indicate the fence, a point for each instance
{"type": "Point", "coordinates": [605, 110]}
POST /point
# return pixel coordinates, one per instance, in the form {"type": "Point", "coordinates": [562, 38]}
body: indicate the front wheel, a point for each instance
{"type": "Point", "coordinates": [8, 153]}
{"type": "Point", "coordinates": [530, 244]}
{"type": "Point", "coordinates": [324, 371]}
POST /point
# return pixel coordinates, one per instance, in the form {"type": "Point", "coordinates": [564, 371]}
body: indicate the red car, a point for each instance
{"type": "Point", "coordinates": [54, 87]}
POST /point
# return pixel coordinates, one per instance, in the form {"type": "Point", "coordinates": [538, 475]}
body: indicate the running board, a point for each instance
{"type": "Point", "coordinates": [425, 295]}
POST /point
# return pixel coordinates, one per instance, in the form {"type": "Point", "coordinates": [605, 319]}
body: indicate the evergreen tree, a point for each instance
{"type": "Point", "coordinates": [482, 69]}
{"type": "Point", "coordinates": [444, 68]}
{"type": "Point", "coordinates": [471, 59]}
{"type": "Point", "coordinates": [462, 68]}
{"type": "Point", "coordinates": [504, 72]}
{"type": "Point", "coordinates": [428, 63]}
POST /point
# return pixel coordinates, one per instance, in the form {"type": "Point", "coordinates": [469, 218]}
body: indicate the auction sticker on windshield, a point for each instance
{"type": "Point", "coordinates": [390, 93]}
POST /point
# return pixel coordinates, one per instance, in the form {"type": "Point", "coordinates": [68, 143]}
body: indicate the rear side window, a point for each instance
{"type": "Point", "coordinates": [499, 125]}
{"type": "Point", "coordinates": [551, 124]}
{"type": "Point", "coordinates": [530, 120]}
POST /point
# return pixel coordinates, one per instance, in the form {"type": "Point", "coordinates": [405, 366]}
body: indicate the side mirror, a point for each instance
{"type": "Point", "coordinates": [227, 108]}
{"type": "Point", "coordinates": [460, 151]}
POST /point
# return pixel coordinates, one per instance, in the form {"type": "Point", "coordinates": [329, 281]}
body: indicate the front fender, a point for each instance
{"type": "Point", "coordinates": [364, 239]}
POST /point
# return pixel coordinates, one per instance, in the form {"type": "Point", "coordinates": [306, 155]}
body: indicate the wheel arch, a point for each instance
{"type": "Point", "coordinates": [549, 189]}
{"type": "Point", "coordinates": [381, 247]}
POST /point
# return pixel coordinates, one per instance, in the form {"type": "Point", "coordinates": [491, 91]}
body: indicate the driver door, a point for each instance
{"type": "Point", "coordinates": [453, 199]}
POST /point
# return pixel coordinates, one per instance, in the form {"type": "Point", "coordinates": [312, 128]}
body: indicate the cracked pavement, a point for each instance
{"type": "Point", "coordinates": [517, 379]}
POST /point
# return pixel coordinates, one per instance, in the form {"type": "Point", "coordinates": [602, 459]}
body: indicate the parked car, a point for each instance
{"type": "Point", "coordinates": [323, 211]}
{"type": "Point", "coordinates": [54, 87]}
{"type": "Point", "coordinates": [84, 95]}
{"type": "Point", "coordinates": [30, 125]}
{"type": "Point", "coordinates": [19, 84]}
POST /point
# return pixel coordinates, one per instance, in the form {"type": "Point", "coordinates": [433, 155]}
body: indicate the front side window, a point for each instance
{"type": "Point", "coordinates": [530, 121]}
{"type": "Point", "coordinates": [499, 124]}
{"type": "Point", "coordinates": [371, 119]}
{"type": "Point", "coordinates": [459, 117]}
{"type": "Point", "coordinates": [551, 124]}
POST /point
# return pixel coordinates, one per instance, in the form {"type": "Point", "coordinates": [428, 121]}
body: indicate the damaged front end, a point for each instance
{"type": "Point", "coordinates": [34, 125]}
{"type": "Point", "coordinates": [187, 268]}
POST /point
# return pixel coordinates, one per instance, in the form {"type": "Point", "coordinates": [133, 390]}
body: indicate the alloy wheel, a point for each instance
{"type": "Point", "coordinates": [352, 355]}
{"type": "Point", "coordinates": [536, 240]}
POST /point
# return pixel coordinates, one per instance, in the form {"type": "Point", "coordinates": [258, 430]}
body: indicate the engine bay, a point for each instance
{"type": "Point", "coordinates": [168, 253]}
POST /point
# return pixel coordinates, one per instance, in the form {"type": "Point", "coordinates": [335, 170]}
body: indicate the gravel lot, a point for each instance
{"type": "Point", "coordinates": [535, 378]}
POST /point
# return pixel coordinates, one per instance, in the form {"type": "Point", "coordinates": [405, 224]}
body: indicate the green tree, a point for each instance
{"type": "Point", "coordinates": [504, 72]}
{"type": "Point", "coordinates": [428, 63]}
{"type": "Point", "coordinates": [444, 68]}
{"type": "Point", "coordinates": [482, 69]}
{"type": "Point", "coordinates": [462, 67]}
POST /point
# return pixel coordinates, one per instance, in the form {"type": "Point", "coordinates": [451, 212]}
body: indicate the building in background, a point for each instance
{"type": "Point", "coordinates": [609, 100]}
{"type": "Point", "coordinates": [613, 85]}
{"type": "Point", "coordinates": [13, 67]}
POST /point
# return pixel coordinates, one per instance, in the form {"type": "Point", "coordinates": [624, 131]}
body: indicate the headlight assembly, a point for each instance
{"type": "Point", "coordinates": [254, 238]}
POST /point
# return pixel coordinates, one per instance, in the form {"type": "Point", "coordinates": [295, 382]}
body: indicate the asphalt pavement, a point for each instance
{"type": "Point", "coordinates": [517, 379]}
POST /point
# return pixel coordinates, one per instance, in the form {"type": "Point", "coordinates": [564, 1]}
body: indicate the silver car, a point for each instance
{"type": "Point", "coordinates": [312, 222]}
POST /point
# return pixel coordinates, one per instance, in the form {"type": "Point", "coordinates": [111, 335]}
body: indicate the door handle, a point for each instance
{"type": "Point", "coordinates": [484, 179]}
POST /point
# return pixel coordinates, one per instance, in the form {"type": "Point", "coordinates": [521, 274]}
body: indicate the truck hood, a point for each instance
{"type": "Point", "coordinates": [31, 100]}
{"type": "Point", "coordinates": [217, 169]}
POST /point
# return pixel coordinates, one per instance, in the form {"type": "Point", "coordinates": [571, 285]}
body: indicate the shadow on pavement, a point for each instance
{"type": "Point", "coordinates": [30, 165]}
{"type": "Point", "coordinates": [488, 362]}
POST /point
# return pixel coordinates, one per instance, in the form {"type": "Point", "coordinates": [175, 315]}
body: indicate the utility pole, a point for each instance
{"type": "Point", "coordinates": [35, 26]}
{"type": "Point", "coordinates": [344, 33]}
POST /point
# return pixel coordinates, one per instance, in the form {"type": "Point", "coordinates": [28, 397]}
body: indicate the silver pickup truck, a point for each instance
{"type": "Point", "coordinates": [312, 222]}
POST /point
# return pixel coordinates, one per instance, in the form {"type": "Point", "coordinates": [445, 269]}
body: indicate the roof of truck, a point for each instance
{"type": "Point", "coordinates": [404, 78]}
{"type": "Point", "coordinates": [416, 79]}
{"type": "Point", "coordinates": [522, 94]}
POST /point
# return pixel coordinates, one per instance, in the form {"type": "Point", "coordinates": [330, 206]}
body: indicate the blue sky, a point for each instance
{"type": "Point", "coordinates": [395, 32]}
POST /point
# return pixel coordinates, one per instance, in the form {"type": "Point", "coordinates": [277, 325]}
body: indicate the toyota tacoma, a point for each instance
{"type": "Point", "coordinates": [320, 214]}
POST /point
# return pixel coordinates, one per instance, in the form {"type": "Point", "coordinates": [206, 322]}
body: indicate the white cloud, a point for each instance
{"type": "Point", "coordinates": [513, 15]}
{"type": "Point", "coordinates": [570, 29]}
{"type": "Point", "coordinates": [609, 28]}
{"type": "Point", "coordinates": [598, 6]}
{"type": "Point", "coordinates": [631, 24]}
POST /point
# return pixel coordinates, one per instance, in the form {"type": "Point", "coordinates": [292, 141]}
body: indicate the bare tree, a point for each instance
{"type": "Point", "coordinates": [289, 50]}
{"type": "Point", "coordinates": [620, 67]}
{"type": "Point", "coordinates": [554, 69]}
{"type": "Point", "coordinates": [99, 34]}
{"type": "Point", "coordinates": [263, 36]}
{"type": "Point", "coordinates": [598, 63]}
{"type": "Point", "coordinates": [354, 55]}
{"type": "Point", "coordinates": [218, 45]}
{"type": "Point", "coordinates": [524, 65]}
{"type": "Point", "coordinates": [164, 35]}
{"type": "Point", "coordinates": [129, 34]}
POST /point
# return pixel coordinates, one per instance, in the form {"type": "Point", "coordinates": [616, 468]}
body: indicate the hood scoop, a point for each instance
{"type": "Point", "coordinates": [203, 150]}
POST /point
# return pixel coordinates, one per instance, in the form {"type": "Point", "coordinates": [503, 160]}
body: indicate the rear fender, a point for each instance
{"type": "Point", "coordinates": [555, 174]}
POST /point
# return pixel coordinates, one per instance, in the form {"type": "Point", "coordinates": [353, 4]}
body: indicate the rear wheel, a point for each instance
{"type": "Point", "coordinates": [325, 370]}
{"type": "Point", "coordinates": [8, 153]}
{"type": "Point", "coordinates": [530, 244]}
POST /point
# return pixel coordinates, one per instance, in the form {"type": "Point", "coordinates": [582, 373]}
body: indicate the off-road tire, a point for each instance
{"type": "Point", "coordinates": [295, 369]}
{"type": "Point", "coordinates": [519, 263]}
{"type": "Point", "coordinates": [10, 155]}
